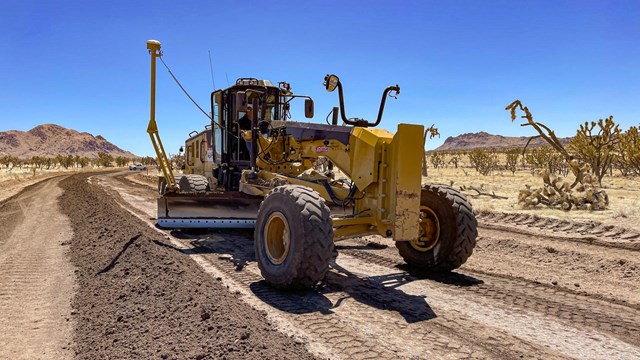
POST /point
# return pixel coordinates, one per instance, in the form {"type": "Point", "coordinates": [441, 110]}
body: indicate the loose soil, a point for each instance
{"type": "Point", "coordinates": [140, 297]}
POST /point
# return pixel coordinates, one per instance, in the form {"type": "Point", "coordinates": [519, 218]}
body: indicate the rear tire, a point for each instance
{"type": "Point", "coordinates": [293, 237]}
{"type": "Point", "coordinates": [456, 231]}
{"type": "Point", "coordinates": [194, 183]}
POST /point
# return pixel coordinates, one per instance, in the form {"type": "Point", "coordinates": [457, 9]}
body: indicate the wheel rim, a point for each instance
{"type": "Point", "coordinates": [429, 230]}
{"type": "Point", "coordinates": [277, 238]}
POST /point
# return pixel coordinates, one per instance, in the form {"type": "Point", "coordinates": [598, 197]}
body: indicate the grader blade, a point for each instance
{"type": "Point", "coordinates": [210, 210]}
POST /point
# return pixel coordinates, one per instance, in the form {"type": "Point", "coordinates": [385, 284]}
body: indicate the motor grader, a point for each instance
{"type": "Point", "coordinates": [253, 167]}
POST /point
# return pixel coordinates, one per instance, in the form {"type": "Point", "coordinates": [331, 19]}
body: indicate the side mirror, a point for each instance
{"type": "Point", "coordinates": [308, 108]}
{"type": "Point", "coordinates": [181, 150]}
{"type": "Point", "coordinates": [331, 82]}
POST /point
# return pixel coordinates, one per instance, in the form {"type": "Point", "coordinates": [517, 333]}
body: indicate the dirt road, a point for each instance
{"type": "Point", "coordinates": [36, 276]}
{"type": "Point", "coordinates": [532, 289]}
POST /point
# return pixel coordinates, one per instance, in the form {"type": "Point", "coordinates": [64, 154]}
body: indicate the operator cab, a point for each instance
{"type": "Point", "coordinates": [234, 111]}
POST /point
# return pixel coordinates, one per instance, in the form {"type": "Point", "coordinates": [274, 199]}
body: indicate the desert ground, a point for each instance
{"type": "Point", "coordinates": [624, 195]}
{"type": "Point", "coordinates": [87, 275]}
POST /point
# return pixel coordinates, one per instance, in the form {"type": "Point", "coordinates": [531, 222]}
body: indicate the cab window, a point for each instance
{"type": "Point", "coordinates": [189, 154]}
{"type": "Point", "coordinates": [203, 151]}
{"type": "Point", "coordinates": [217, 141]}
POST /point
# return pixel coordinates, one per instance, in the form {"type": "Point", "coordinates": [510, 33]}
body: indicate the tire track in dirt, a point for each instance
{"type": "Point", "coordinates": [569, 308]}
{"type": "Point", "coordinates": [13, 209]}
{"type": "Point", "coordinates": [609, 273]}
{"type": "Point", "coordinates": [37, 281]}
{"type": "Point", "coordinates": [480, 316]}
{"type": "Point", "coordinates": [562, 230]}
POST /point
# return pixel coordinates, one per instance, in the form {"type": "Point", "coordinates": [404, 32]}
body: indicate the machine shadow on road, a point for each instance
{"type": "Point", "coordinates": [448, 278]}
{"type": "Point", "coordinates": [380, 292]}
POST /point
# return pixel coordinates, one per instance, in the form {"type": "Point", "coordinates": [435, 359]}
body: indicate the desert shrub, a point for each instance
{"type": "Point", "coordinates": [103, 159]}
{"type": "Point", "coordinates": [595, 144]}
{"type": "Point", "coordinates": [455, 159]}
{"type": "Point", "coordinates": [628, 150]}
{"type": "Point", "coordinates": [484, 162]}
{"type": "Point", "coordinates": [65, 161]}
{"type": "Point", "coordinates": [511, 161]}
{"type": "Point", "coordinates": [148, 160]}
{"type": "Point", "coordinates": [37, 162]}
{"type": "Point", "coordinates": [48, 163]}
{"type": "Point", "coordinates": [82, 161]}
{"type": "Point", "coordinates": [122, 161]}
{"type": "Point", "coordinates": [437, 160]}
{"type": "Point", "coordinates": [546, 158]}
{"type": "Point", "coordinates": [9, 161]}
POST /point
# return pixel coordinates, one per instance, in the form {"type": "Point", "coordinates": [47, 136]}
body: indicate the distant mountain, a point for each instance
{"type": "Point", "coordinates": [483, 140]}
{"type": "Point", "coordinates": [52, 140]}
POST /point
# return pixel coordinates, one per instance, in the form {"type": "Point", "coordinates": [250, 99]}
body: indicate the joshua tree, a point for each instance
{"type": "Point", "coordinates": [583, 193]}
{"type": "Point", "coordinates": [431, 131]}
{"type": "Point", "coordinates": [597, 148]}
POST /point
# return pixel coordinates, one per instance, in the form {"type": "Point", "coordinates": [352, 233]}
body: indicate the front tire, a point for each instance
{"type": "Point", "coordinates": [448, 231]}
{"type": "Point", "coordinates": [293, 237]}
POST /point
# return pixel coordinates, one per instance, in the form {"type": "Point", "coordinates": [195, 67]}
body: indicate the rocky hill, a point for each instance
{"type": "Point", "coordinates": [483, 140]}
{"type": "Point", "coordinates": [52, 140]}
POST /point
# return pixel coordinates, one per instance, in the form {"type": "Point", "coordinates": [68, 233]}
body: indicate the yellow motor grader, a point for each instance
{"type": "Point", "coordinates": [253, 167]}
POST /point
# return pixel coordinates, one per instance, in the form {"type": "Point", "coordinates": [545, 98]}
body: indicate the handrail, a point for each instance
{"type": "Point", "coordinates": [358, 121]}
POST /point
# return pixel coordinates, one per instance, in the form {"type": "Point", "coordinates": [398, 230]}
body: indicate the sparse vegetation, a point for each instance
{"type": "Point", "coordinates": [437, 160]}
{"type": "Point", "coordinates": [484, 162]}
{"type": "Point", "coordinates": [104, 159]}
{"type": "Point", "coordinates": [455, 159]}
{"type": "Point", "coordinates": [42, 163]}
{"type": "Point", "coordinates": [595, 144]}
{"type": "Point", "coordinates": [627, 160]}
{"type": "Point", "coordinates": [511, 162]}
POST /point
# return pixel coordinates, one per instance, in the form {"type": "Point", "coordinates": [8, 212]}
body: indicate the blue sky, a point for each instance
{"type": "Point", "coordinates": [84, 64]}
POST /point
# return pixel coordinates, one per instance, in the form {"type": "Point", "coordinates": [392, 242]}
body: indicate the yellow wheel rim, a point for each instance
{"type": "Point", "coordinates": [429, 230]}
{"type": "Point", "coordinates": [277, 238]}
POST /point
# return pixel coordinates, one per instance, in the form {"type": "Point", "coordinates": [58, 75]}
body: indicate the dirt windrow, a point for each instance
{"type": "Point", "coordinates": [139, 297]}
